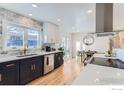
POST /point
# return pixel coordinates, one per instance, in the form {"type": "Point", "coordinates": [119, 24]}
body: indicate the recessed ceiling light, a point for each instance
{"type": "Point", "coordinates": [58, 19]}
{"type": "Point", "coordinates": [89, 11]}
{"type": "Point", "coordinates": [30, 14]}
{"type": "Point", "coordinates": [34, 5]}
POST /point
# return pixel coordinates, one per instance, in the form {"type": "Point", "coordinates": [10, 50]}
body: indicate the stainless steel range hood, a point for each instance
{"type": "Point", "coordinates": [104, 19]}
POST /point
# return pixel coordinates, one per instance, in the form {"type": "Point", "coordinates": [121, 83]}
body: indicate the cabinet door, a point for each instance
{"type": "Point", "coordinates": [30, 69]}
{"type": "Point", "coordinates": [37, 69]}
{"type": "Point", "coordinates": [25, 70]}
{"type": "Point", "coordinates": [9, 73]}
{"type": "Point", "coordinates": [37, 64]}
{"type": "Point", "coordinates": [58, 60]}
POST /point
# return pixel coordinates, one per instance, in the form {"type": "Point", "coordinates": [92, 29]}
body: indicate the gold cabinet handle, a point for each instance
{"type": "Point", "coordinates": [32, 67]}
{"type": "Point", "coordinates": [0, 77]}
{"type": "Point", "coordinates": [10, 65]}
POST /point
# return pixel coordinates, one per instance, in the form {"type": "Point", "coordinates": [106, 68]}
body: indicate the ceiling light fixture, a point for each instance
{"type": "Point", "coordinates": [34, 5]}
{"type": "Point", "coordinates": [89, 11]}
{"type": "Point", "coordinates": [30, 14]}
{"type": "Point", "coordinates": [58, 19]}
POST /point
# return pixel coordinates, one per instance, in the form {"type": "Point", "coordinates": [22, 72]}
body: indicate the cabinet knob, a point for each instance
{"type": "Point", "coordinates": [33, 67]}
{"type": "Point", "coordinates": [0, 77]}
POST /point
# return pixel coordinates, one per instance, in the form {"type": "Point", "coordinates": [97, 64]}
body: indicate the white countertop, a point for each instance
{"type": "Point", "coordinates": [103, 56]}
{"type": "Point", "coordinates": [100, 75]}
{"type": "Point", "coordinates": [11, 58]}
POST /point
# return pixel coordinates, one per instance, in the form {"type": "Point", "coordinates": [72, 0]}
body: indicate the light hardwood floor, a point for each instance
{"type": "Point", "coordinates": [64, 75]}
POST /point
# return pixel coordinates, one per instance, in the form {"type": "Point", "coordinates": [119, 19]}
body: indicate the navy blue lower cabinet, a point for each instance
{"type": "Point", "coordinates": [21, 72]}
{"type": "Point", "coordinates": [9, 73]}
{"type": "Point", "coordinates": [58, 60]}
{"type": "Point", "coordinates": [30, 69]}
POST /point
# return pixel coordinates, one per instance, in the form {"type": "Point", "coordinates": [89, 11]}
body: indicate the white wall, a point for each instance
{"type": "Point", "coordinates": [74, 39]}
{"type": "Point", "coordinates": [101, 44]}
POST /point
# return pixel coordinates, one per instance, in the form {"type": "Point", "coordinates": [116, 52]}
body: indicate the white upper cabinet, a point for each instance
{"type": "Point", "coordinates": [51, 33]}
{"type": "Point", "coordinates": [118, 16]}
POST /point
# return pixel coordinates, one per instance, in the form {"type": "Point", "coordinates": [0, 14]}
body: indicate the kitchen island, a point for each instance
{"type": "Point", "coordinates": [100, 75]}
{"type": "Point", "coordinates": [102, 72]}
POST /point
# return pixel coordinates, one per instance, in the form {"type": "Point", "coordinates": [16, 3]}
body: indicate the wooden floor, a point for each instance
{"type": "Point", "coordinates": [64, 75]}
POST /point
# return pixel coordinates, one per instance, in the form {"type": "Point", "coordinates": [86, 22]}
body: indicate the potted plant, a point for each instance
{"type": "Point", "coordinates": [61, 49]}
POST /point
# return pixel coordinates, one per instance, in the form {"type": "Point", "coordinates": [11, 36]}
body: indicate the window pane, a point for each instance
{"type": "Point", "coordinates": [14, 36]}
{"type": "Point", "coordinates": [33, 38]}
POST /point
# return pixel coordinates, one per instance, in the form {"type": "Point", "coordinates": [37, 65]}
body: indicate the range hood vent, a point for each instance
{"type": "Point", "coordinates": [104, 18]}
{"type": "Point", "coordinates": [106, 34]}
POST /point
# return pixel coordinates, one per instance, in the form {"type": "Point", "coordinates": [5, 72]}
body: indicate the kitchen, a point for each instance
{"type": "Point", "coordinates": [47, 49]}
{"type": "Point", "coordinates": [24, 55]}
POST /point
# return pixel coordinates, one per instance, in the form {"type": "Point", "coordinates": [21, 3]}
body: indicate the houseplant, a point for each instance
{"type": "Point", "coordinates": [61, 49]}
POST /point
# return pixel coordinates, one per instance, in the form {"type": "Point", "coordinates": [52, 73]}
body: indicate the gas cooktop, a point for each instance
{"type": "Point", "coordinates": [115, 63]}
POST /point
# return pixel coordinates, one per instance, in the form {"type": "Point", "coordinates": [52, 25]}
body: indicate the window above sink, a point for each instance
{"type": "Point", "coordinates": [16, 36]}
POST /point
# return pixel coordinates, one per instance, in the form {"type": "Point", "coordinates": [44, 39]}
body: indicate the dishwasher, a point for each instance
{"type": "Point", "coordinates": [48, 63]}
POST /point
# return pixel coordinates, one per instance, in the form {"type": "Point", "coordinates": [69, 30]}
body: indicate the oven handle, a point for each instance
{"type": "Point", "coordinates": [47, 61]}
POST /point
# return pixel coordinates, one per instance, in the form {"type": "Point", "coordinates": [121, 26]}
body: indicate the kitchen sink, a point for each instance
{"type": "Point", "coordinates": [26, 55]}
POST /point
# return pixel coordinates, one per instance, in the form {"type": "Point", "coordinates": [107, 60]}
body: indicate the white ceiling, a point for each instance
{"type": "Point", "coordinates": [74, 17]}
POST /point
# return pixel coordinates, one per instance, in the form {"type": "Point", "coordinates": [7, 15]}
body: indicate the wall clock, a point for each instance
{"type": "Point", "coordinates": [88, 40]}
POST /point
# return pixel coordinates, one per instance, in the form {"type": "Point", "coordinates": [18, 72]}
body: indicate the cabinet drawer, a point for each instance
{"type": "Point", "coordinates": [8, 65]}
{"type": "Point", "coordinates": [32, 59]}
{"type": "Point", "coordinates": [9, 73]}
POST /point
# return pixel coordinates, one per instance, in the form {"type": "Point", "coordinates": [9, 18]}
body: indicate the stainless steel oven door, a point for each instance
{"type": "Point", "coordinates": [48, 63]}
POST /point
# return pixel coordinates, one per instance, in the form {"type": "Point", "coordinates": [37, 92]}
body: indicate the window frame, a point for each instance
{"type": "Point", "coordinates": [25, 35]}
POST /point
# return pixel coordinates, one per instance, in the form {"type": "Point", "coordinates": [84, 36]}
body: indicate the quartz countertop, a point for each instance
{"type": "Point", "coordinates": [93, 74]}
{"type": "Point", "coordinates": [4, 58]}
{"type": "Point", "coordinates": [100, 75]}
{"type": "Point", "coordinates": [103, 56]}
